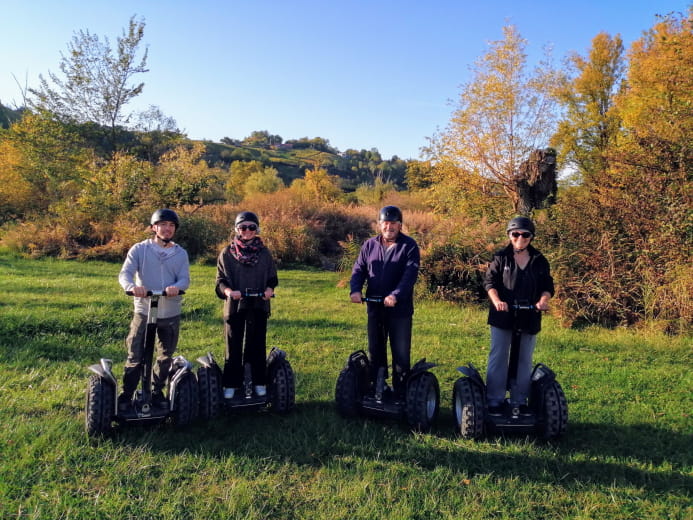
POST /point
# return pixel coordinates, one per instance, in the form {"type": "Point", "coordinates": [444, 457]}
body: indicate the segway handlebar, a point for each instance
{"type": "Point", "coordinates": [253, 293]}
{"type": "Point", "coordinates": [154, 293]}
{"type": "Point", "coordinates": [524, 307]}
{"type": "Point", "coordinates": [372, 299]}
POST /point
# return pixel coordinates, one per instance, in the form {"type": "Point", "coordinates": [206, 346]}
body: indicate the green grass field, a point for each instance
{"type": "Point", "coordinates": [627, 453]}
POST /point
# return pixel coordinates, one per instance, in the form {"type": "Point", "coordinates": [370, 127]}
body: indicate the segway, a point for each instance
{"type": "Point", "coordinates": [357, 394]}
{"type": "Point", "coordinates": [101, 407]}
{"type": "Point", "coordinates": [548, 409]}
{"type": "Point", "coordinates": [281, 392]}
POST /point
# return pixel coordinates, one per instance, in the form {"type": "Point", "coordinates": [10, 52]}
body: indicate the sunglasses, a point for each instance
{"type": "Point", "coordinates": [524, 234]}
{"type": "Point", "coordinates": [251, 227]}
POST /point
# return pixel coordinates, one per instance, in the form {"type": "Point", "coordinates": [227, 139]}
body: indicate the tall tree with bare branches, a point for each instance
{"type": "Point", "coordinates": [96, 82]}
{"type": "Point", "coordinates": [503, 115]}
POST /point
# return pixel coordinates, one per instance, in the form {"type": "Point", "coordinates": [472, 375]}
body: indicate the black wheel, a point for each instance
{"type": "Point", "coordinates": [555, 411]}
{"type": "Point", "coordinates": [100, 406]}
{"type": "Point", "coordinates": [210, 393]}
{"type": "Point", "coordinates": [423, 401]}
{"type": "Point", "coordinates": [468, 408]}
{"type": "Point", "coordinates": [346, 394]}
{"type": "Point", "coordinates": [185, 403]}
{"type": "Point", "coordinates": [282, 387]}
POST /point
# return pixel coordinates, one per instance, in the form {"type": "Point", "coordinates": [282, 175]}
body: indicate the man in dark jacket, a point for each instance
{"type": "Point", "coordinates": [389, 265]}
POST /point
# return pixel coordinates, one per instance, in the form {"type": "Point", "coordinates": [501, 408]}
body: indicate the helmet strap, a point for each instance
{"type": "Point", "coordinates": [166, 241]}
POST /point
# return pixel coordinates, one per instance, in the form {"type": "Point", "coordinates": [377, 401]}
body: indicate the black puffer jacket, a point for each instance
{"type": "Point", "coordinates": [502, 275]}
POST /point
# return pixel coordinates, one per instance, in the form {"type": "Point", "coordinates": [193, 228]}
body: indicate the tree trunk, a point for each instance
{"type": "Point", "coordinates": [536, 182]}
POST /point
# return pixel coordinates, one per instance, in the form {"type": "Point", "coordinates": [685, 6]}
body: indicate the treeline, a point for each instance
{"type": "Point", "coordinates": [617, 225]}
{"type": "Point", "coordinates": [291, 158]}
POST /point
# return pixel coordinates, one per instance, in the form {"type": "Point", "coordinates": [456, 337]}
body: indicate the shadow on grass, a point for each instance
{"type": "Point", "coordinates": [314, 435]}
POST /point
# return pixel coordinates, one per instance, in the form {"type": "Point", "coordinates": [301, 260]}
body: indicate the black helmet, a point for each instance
{"type": "Point", "coordinates": [247, 216]}
{"type": "Point", "coordinates": [390, 214]}
{"type": "Point", "coordinates": [520, 223]}
{"type": "Point", "coordinates": [165, 214]}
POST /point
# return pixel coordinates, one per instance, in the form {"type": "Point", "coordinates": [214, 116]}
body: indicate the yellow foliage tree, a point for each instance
{"type": "Point", "coordinates": [591, 123]}
{"type": "Point", "coordinates": [318, 185]}
{"type": "Point", "coordinates": [502, 116]}
{"type": "Point", "coordinates": [626, 234]}
{"type": "Point", "coordinates": [15, 190]}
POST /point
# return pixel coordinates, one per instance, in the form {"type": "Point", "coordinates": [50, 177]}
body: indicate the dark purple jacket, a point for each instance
{"type": "Point", "coordinates": [388, 272]}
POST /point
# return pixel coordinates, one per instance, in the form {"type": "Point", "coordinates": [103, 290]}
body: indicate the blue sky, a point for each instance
{"type": "Point", "coordinates": [362, 74]}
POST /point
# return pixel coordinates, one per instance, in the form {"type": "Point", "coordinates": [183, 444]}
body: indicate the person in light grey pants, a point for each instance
{"type": "Point", "coordinates": [497, 371]}
{"type": "Point", "coordinates": [518, 273]}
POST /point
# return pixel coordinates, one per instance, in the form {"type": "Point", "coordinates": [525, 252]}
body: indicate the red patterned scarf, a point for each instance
{"type": "Point", "coordinates": [246, 252]}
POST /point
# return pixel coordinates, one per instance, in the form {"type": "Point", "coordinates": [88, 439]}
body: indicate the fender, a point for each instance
{"type": "Point", "coordinates": [359, 364]}
{"type": "Point", "coordinates": [542, 375]}
{"type": "Point", "coordinates": [275, 355]}
{"type": "Point", "coordinates": [421, 366]}
{"type": "Point", "coordinates": [358, 361]}
{"type": "Point", "coordinates": [207, 361]}
{"type": "Point", "coordinates": [181, 366]}
{"type": "Point", "coordinates": [103, 370]}
{"type": "Point", "coordinates": [473, 374]}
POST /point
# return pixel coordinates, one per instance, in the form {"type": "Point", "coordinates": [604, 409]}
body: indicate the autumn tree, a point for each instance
{"type": "Point", "coordinates": [46, 159]}
{"type": "Point", "coordinates": [15, 190]}
{"type": "Point", "coordinates": [503, 114]}
{"type": "Point", "coordinates": [419, 175]}
{"type": "Point", "coordinates": [318, 185]}
{"type": "Point", "coordinates": [265, 181]}
{"type": "Point", "coordinates": [239, 174]}
{"type": "Point", "coordinates": [156, 133]}
{"type": "Point", "coordinates": [591, 124]}
{"type": "Point", "coordinates": [626, 235]}
{"type": "Point", "coordinates": [374, 193]}
{"type": "Point", "coordinates": [183, 177]}
{"type": "Point", "coordinates": [96, 83]}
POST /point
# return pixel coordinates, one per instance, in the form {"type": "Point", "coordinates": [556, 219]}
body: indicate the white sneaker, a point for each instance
{"type": "Point", "coordinates": [228, 393]}
{"type": "Point", "coordinates": [261, 390]}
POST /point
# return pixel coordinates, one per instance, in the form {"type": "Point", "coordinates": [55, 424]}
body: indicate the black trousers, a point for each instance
{"type": "Point", "coordinates": [246, 342]}
{"type": "Point", "coordinates": [382, 325]}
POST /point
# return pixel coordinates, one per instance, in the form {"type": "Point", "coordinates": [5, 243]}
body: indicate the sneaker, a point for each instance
{"type": "Point", "coordinates": [260, 390]}
{"type": "Point", "coordinates": [229, 393]}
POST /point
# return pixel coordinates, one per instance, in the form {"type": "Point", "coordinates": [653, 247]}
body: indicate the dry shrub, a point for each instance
{"type": "Point", "coordinates": [670, 305]}
{"type": "Point", "coordinates": [200, 237]}
{"type": "Point", "coordinates": [38, 240]}
{"type": "Point", "coordinates": [297, 230]}
{"type": "Point", "coordinates": [453, 264]}
{"type": "Point", "coordinates": [292, 243]}
{"type": "Point", "coordinates": [408, 201]}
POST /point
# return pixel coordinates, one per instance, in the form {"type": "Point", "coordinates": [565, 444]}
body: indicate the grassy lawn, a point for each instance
{"type": "Point", "coordinates": [627, 453]}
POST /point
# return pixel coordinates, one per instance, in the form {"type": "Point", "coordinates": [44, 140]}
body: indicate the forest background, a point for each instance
{"type": "Point", "coordinates": [596, 151]}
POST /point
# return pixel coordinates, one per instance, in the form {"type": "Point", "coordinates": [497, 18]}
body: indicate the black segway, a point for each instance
{"type": "Point", "coordinates": [548, 408]}
{"type": "Point", "coordinates": [102, 391]}
{"type": "Point", "coordinates": [281, 392]}
{"type": "Point", "coordinates": [356, 393]}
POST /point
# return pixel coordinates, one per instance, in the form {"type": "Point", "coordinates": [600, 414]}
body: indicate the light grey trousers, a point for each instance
{"type": "Point", "coordinates": [497, 371]}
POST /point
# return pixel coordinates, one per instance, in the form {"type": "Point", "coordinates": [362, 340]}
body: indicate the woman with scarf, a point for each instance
{"type": "Point", "coordinates": [245, 267]}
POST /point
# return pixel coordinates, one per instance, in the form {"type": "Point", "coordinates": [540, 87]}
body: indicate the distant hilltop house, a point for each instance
{"type": "Point", "coordinates": [282, 146]}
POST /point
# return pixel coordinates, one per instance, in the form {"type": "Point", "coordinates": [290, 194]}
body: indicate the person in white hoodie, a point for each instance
{"type": "Point", "coordinates": [155, 264]}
